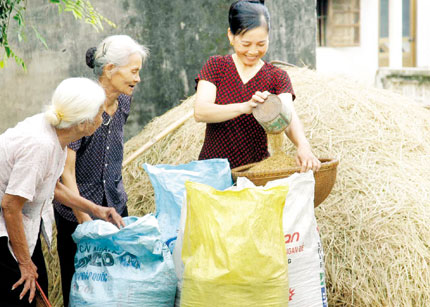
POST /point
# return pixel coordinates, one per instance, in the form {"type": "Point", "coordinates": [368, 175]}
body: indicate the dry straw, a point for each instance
{"type": "Point", "coordinates": [375, 225]}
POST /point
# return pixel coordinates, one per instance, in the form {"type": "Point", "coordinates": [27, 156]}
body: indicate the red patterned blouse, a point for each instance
{"type": "Point", "coordinates": [241, 140]}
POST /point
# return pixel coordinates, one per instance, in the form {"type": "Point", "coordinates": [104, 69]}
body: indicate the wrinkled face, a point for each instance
{"type": "Point", "coordinates": [125, 78]}
{"type": "Point", "coordinates": [91, 127]}
{"type": "Point", "coordinates": [251, 46]}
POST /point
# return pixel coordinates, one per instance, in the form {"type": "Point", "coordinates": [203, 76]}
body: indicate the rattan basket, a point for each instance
{"type": "Point", "coordinates": [324, 178]}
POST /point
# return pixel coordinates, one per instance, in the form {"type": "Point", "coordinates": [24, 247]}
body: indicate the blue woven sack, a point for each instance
{"type": "Point", "coordinates": [130, 266]}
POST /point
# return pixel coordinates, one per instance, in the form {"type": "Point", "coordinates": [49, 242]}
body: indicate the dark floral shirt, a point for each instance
{"type": "Point", "coordinates": [241, 140]}
{"type": "Point", "coordinates": [99, 162]}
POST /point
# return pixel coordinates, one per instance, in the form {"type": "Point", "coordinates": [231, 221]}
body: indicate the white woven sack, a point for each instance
{"type": "Point", "coordinates": [302, 242]}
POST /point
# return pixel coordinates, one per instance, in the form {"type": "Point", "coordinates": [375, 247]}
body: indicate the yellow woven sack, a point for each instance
{"type": "Point", "coordinates": [233, 249]}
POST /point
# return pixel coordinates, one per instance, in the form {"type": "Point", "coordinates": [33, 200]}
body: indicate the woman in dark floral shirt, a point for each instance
{"type": "Point", "coordinates": [93, 165]}
{"type": "Point", "coordinates": [229, 87]}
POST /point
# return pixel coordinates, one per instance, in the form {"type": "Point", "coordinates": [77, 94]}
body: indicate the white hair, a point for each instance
{"type": "Point", "coordinates": [116, 49]}
{"type": "Point", "coordinates": [74, 101]}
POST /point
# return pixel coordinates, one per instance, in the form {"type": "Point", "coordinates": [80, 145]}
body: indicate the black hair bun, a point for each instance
{"type": "Point", "coordinates": [90, 56]}
{"type": "Point", "coordinates": [255, 1]}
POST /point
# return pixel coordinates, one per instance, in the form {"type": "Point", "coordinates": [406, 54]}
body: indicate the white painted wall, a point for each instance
{"type": "Point", "coordinates": [395, 39]}
{"type": "Point", "coordinates": [359, 62]}
{"type": "Point", "coordinates": [423, 34]}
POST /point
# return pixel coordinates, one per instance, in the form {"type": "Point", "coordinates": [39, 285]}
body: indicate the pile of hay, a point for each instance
{"type": "Point", "coordinates": [375, 225]}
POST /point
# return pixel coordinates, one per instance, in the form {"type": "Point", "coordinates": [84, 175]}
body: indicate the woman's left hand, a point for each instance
{"type": "Point", "coordinates": [109, 215]}
{"type": "Point", "coordinates": [306, 159]}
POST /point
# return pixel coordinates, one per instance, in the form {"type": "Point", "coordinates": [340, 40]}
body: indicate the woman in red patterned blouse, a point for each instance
{"type": "Point", "coordinates": [229, 87]}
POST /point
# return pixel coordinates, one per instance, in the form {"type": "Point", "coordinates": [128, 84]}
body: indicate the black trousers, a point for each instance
{"type": "Point", "coordinates": [10, 274]}
{"type": "Point", "coordinates": [66, 251]}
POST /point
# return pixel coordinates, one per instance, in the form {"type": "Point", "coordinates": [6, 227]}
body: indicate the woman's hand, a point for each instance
{"type": "Point", "coordinates": [82, 217]}
{"type": "Point", "coordinates": [258, 97]}
{"type": "Point", "coordinates": [28, 278]}
{"type": "Point", "coordinates": [207, 111]}
{"type": "Point", "coordinates": [11, 206]}
{"type": "Point", "coordinates": [73, 200]}
{"type": "Point", "coordinates": [306, 159]}
{"type": "Point", "coordinates": [109, 215]}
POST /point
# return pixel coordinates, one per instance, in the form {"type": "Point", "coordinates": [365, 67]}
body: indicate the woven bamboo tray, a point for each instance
{"type": "Point", "coordinates": [324, 178]}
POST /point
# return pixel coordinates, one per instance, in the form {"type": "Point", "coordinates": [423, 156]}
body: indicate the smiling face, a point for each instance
{"type": "Point", "coordinates": [124, 78]}
{"type": "Point", "coordinates": [251, 46]}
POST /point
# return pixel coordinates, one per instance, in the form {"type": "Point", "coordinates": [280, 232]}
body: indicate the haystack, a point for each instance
{"type": "Point", "coordinates": [375, 225]}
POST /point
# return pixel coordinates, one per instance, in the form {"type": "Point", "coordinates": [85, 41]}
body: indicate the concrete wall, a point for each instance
{"type": "Point", "coordinates": [293, 36]}
{"type": "Point", "coordinates": [409, 81]}
{"type": "Point", "coordinates": [180, 34]}
{"type": "Point", "coordinates": [359, 62]}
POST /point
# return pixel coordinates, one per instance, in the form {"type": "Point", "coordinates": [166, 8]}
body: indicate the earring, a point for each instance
{"type": "Point", "coordinates": [231, 43]}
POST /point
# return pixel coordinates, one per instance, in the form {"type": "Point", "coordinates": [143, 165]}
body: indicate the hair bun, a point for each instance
{"type": "Point", "coordinates": [51, 116]}
{"type": "Point", "coordinates": [90, 56]}
{"type": "Point", "coordinates": [254, 1]}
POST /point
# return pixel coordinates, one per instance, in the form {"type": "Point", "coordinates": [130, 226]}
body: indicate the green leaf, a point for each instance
{"type": "Point", "coordinates": [1, 64]}
{"type": "Point", "coordinates": [8, 51]}
{"type": "Point", "coordinates": [99, 23]}
{"type": "Point", "coordinates": [113, 25]}
{"type": "Point", "coordinates": [95, 27]}
{"type": "Point", "coordinates": [40, 37]}
{"type": "Point", "coordinates": [78, 5]}
{"type": "Point", "coordinates": [4, 60]}
{"type": "Point", "coordinates": [70, 6]}
{"type": "Point", "coordinates": [20, 61]}
{"type": "Point", "coordinates": [54, 1]}
{"type": "Point", "coordinates": [89, 5]}
{"type": "Point", "coordinates": [19, 17]}
{"type": "Point", "coordinates": [24, 35]}
{"type": "Point", "coordinates": [77, 13]}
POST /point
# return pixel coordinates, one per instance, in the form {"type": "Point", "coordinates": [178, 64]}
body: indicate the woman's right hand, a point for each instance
{"type": "Point", "coordinates": [109, 215]}
{"type": "Point", "coordinates": [258, 97]}
{"type": "Point", "coordinates": [28, 278]}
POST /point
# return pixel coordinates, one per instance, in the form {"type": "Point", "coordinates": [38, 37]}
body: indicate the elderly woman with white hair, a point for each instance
{"type": "Point", "coordinates": [32, 158]}
{"type": "Point", "coordinates": [94, 163]}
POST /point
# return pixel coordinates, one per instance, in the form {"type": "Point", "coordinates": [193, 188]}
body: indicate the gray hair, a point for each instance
{"type": "Point", "coordinates": [75, 100]}
{"type": "Point", "coordinates": [115, 49]}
